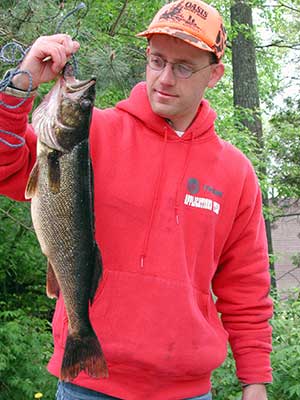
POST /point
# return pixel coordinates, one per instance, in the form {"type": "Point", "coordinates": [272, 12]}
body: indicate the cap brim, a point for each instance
{"type": "Point", "coordinates": [177, 33]}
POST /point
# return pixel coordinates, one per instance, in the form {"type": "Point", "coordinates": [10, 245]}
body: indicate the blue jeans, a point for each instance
{"type": "Point", "coordinates": [68, 391]}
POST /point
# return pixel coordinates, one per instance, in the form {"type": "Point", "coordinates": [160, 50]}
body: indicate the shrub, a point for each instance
{"type": "Point", "coordinates": [25, 348]}
{"type": "Point", "coordinates": [286, 350]}
{"type": "Point", "coordinates": [285, 358]}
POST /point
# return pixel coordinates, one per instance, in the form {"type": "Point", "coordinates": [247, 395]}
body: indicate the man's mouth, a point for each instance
{"type": "Point", "coordinates": [165, 94]}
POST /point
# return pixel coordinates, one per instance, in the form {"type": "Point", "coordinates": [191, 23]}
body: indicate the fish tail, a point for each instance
{"type": "Point", "coordinates": [83, 354]}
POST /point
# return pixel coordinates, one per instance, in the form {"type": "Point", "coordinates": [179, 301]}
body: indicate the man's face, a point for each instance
{"type": "Point", "coordinates": [175, 98]}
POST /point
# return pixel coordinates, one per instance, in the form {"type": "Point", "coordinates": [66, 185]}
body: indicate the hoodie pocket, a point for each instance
{"type": "Point", "coordinates": [145, 322]}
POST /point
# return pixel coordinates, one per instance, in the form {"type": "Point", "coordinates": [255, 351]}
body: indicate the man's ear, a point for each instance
{"type": "Point", "coordinates": [217, 71]}
{"type": "Point", "coordinates": [148, 51]}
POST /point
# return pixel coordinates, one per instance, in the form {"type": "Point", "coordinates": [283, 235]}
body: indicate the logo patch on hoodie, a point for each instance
{"type": "Point", "coordinates": [193, 187]}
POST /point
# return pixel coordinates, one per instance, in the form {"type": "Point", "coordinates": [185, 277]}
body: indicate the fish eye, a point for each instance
{"type": "Point", "coordinates": [85, 104]}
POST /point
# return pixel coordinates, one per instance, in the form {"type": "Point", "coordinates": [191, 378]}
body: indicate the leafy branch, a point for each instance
{"type": "Point", "coordinates": [115, 24]}
{"type": "Point", "coordinates": [281, 5]}
{"type": "Point", "coordinates": [280, 44]}
{"type": "Point", "coordinates": [8, 215]}
{"type": "Point", "coordinates": [289, 7]}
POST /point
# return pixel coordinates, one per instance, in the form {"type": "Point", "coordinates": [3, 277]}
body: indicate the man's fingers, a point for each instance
{"type": "Point", "coordinates": [70, 47]}
{"type": "Point", "coordinates": [46, 59]}
{"type": "Point", "coordinates": [57, 54]}
{"type": "Point", "coordinates": [58, 57]}
{"type": "Point", "coordinates": [46, 45]}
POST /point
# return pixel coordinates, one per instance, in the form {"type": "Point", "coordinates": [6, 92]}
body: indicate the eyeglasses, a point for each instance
{"type": "Point", "coordinates": [180, 70]}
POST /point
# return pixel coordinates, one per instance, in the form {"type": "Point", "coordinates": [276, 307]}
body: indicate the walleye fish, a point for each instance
{"type": "Point", "coordinates": [61, 190]}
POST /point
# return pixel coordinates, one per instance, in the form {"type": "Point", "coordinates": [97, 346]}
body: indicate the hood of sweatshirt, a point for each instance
{"type": "Point", "coordinates": [138, 105]}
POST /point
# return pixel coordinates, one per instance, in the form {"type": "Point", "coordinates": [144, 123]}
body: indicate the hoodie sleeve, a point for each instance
{"type": "Point", "coordinates": [242, 285]}
{"type": "Point", "coordinates": [15, 163]}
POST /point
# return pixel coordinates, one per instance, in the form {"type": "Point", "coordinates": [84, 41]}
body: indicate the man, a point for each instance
{"type": "Point", "coordinates": [178, 217]}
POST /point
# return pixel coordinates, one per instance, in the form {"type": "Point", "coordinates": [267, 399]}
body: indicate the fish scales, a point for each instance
{"type": "Point", "coordinates": [65, 220]}
{"type": "Point", "coordinates": [64, 217]}
{"type": "Point", "coordinates": [61, 192]}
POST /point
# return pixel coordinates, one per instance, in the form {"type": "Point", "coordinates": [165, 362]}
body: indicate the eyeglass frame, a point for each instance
{"type": "Point", "coordinates": [165, 62]}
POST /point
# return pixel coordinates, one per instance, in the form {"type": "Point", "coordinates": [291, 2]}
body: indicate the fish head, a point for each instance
{"type": "Point", "coordinates": [62, 120]}
{"type": "Point", "coordinates": [74, 111]}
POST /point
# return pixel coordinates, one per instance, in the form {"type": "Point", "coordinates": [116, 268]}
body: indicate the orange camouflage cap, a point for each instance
{"type": "Point", "coordinates": [194, 22]}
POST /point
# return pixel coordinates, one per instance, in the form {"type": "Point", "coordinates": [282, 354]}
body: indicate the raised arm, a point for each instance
{"type": "Point", "coordinates": [16, 163]}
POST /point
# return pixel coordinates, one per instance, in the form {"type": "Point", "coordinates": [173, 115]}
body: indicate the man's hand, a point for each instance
{"type": "Point", "coordinates": [56, 49]}
{"type": "Point", "coordinates": [255, 392]}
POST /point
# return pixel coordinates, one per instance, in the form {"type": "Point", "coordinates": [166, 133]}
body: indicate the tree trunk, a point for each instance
{"type": "Point", "coordinates": [245, 88]}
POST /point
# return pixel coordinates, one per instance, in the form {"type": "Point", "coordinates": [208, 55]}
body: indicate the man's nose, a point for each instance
{"type": "Point", "coordinates": [167, 75]}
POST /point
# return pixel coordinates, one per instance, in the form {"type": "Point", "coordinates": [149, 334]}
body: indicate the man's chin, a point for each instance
{"type": "Point", "coordinates": [162, 110]}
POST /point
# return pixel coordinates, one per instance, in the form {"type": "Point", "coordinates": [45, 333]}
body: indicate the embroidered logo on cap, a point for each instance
{"type": "Point", "coordinates": [195, 22]}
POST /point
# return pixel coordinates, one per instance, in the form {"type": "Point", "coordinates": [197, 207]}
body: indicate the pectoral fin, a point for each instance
{"type": "Point", "coordinates": [54, 171]}
{"type": "Point", "coordinates": [32, 183]}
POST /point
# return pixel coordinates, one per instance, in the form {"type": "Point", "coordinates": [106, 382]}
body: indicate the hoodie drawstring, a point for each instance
{"type": "Point", "coordinates": [179, 184]}
{"type": "Point", "coordinates": [155, 199]}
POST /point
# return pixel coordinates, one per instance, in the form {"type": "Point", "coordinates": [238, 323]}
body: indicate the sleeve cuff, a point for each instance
{"type": "Point", "coordinates": [244, 385]}
{"type": "Point", "coordinates": [21, 94]}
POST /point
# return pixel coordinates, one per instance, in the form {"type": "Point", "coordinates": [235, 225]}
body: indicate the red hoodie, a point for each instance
{"type": "Point", "coordinates": [177, 219]}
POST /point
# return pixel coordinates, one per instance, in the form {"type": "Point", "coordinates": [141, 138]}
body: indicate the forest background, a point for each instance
{"type": "Point", "coordinates": [258, 107]}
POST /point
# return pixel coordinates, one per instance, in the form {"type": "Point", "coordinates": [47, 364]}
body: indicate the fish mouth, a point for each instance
{"type": "Point", "coordinates": [75, 86]}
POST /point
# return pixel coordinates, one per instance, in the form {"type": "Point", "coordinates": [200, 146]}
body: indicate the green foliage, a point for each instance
{"type": "Point", "coordinates": [25, 311]}
{"type": "Point", "coordinates": [22, 265]}
{"type": "Point", "coordinates": [285, 358]}
{"type": "Point", "coordinates": [283, 150]}
{"type": "Point", "coordinates": [25, 348]}
{"type": "Point", "coordinates": [224, 382]}
{"type": "Point", "coordinates": [286, 350]}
